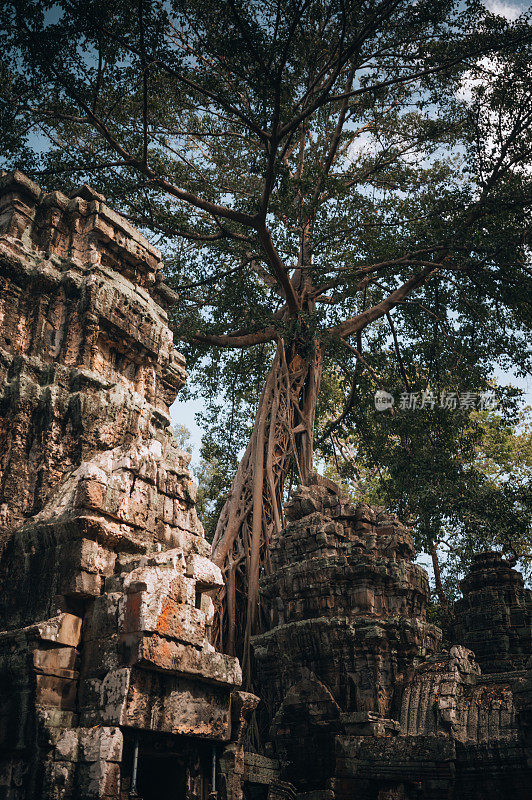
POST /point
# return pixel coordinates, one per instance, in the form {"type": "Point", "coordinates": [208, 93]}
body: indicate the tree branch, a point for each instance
{"type": "Point", "coordinates": [162, 183]}
{"type": "Point", "coordinates": [398, 352]}
{"type": "Point", "coordinates": [350, 400]}
{"type": "Point", "coordinates": [245, 340]}
{"type": "Point", "coordinates": [359, 322]}
{"type": "Point", "coordinates": [328, 98]}
{"type": "Point", "coordinates": [277, 266]}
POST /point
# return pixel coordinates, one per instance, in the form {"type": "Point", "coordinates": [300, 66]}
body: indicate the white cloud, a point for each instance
{"type": "Point", "coordinates": [508, 10]}
{"type": "Point", "coordinates": [473, 79]}
{"type": "Point", "coordinates": [363, 145]}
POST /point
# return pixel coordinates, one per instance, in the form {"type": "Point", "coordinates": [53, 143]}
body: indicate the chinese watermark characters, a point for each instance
{"type": "Point", "coordinates": [412, 401]}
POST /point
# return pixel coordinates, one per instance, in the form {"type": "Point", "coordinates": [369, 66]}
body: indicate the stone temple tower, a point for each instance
{"type": "Point", "coordinates": [494, 616]}
{"type": "Point", "coordinates": [108, 684]}
{"type": "Point", "coordinates": [348, 623]}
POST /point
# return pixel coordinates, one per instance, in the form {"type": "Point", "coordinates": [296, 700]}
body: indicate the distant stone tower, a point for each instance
{"type": "Point", "coordinates": [494, 616]}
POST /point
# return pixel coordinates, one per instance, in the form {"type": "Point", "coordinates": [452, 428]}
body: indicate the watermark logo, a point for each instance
{"type": "Point", "coordinates": [413, 401]}
{"type": "Point", "coordinates": [383, 400]}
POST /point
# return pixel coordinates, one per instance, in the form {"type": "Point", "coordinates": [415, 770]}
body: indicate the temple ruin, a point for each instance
{"type": "Point", "coordinates": [363, 700]}
{"type": "Point", "coordinates": [109, 686]}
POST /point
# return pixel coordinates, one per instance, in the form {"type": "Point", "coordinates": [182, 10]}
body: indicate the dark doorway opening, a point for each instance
{"type": "Point", "coordinates": [255, 791]}
{"type": "Point", "coordinates": [161, 777]}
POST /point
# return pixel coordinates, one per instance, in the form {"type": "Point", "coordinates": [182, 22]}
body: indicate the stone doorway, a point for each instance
{"type": "Point", "coordinates": [169, 767]}
{"type": "Point", "coordinates": [160, 777]}
{"type": "Point", "coordinates": [255, 791]}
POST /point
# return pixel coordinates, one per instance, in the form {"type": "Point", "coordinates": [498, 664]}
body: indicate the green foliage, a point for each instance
{"type": "Point", "coordinates": [212, 491]}
{"type": "Point", "coordinates": [211, 123]}
{"type": "Point", "coordinates": [460, 477]}
{"type": "Point", "coordinates": [182, 437]}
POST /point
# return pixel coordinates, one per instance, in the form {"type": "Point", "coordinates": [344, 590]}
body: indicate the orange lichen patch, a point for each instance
{"type": "Point", "coordinates": [182, 622]}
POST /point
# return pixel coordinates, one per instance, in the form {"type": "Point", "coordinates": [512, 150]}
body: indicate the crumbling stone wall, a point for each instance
{"type": "Point", "coordinates": [348, 620]}
{"type": "Point", "coordinates": [104, 573]}
{"type": "Point", "coordinates": [362, 700]}
{"type": "Point", "coordinates": [86, 356]}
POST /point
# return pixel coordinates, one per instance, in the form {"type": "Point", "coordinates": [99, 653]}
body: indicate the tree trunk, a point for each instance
{"type": "Point", "coordinates": [440, 591]}
{"type": "Point", "coordinates": [281, 439]}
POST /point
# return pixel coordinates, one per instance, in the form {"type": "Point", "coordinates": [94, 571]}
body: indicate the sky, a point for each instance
{"type": "Point", "coordinates": [183, 413]}
{"type": "Point", "coordinates": [509, 10]}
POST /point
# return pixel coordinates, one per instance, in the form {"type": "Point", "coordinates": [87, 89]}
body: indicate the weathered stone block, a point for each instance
{"type": "Point", "coordinates": [83, 584]}
{"type": "Point", "coordinates": [176, 705]}
{"type": "Point", "coordinates": [59, 661]}
{"type": "Point", "coordinates": [164, 654]}
{"type": "Point", "coordinates": [99, 780]}
{"type": "Point", "coordinates": [101, 619]}
{"type": "Point", "coordinates": [63, 629]}
{"type": "Point", "coordinates": [206, 574]}
{"type": "Point", "coordinates": [56, 692]}
{"type": "Point", "coordinates": [100, 744]}
{"type": "Point", "coordinates": [67, 745]}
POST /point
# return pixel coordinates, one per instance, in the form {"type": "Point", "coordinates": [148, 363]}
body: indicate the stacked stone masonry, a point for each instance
{"type": "Point", "coordinates": [495, 601]}
{"type": "Point", "coordinates": [363, 702]}
{"type": "Point", "coordinates": [104, 572]}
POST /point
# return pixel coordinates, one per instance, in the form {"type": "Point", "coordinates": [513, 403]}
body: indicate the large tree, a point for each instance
{"type": "Point", "coordinates": [314, 169]}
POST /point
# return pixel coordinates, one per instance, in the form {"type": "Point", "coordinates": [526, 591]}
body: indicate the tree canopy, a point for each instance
{"type": "Point", "coordinates": [331, 182]}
